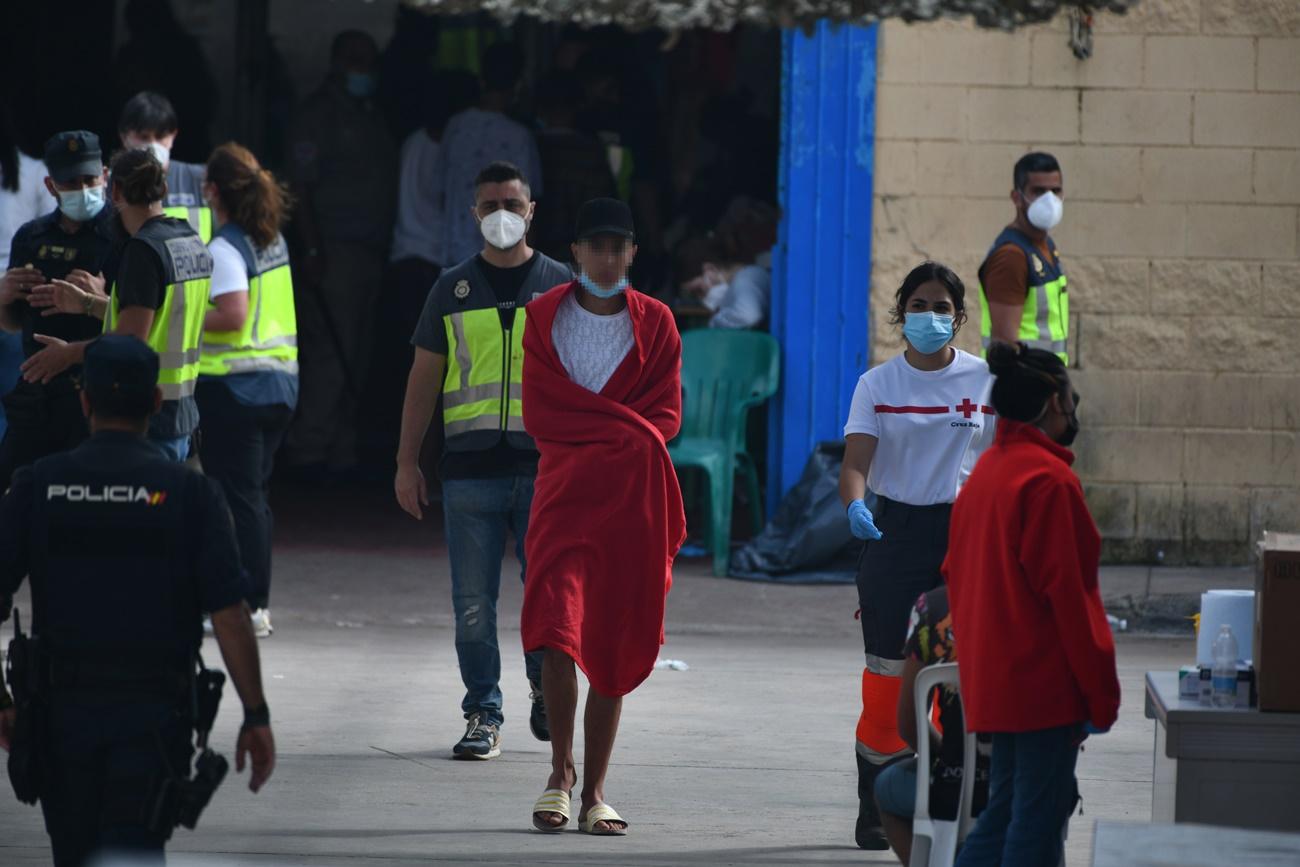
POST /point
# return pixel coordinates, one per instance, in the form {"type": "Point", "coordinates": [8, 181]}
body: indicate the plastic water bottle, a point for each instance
{"type": "Point", "coordinates": [1224, 675]}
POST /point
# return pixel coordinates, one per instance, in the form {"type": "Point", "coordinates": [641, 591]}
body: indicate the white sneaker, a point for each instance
{"type": "Point", "coordinates": [262, 623]}
{"type": "Point", "coordinates": [207, 624]}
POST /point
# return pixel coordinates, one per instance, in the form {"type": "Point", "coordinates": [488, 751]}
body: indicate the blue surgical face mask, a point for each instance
{"type": "Point", "coordinates": [928, 332]}
{"type": "Point", "coordinates": [83, 204]}
{"type": "Point", "coordinates": [360, 84]}
{"type": "Point", "coordinates": [595, 288]}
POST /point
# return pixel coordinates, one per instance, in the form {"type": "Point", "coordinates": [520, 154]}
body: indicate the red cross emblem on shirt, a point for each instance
{"type": "Point", "coordinates": [966, 408]}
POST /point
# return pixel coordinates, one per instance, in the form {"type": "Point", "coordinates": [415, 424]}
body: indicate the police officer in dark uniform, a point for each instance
{"type": "Point", "coordinates": [102, 530]}
{"type": "Point", "coordinates": [64, 252]}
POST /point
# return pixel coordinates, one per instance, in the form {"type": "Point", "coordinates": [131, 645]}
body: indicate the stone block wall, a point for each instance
{"type": "Point", "coordinates": [1180, 143]}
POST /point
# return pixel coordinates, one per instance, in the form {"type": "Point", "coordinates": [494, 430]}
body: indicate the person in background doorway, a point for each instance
{"type": "Point", "coordinates": [60, 256]}
{"type": "Point", "coordinates": [23, 198]}
{"type": "Point", "coordinates": [1023, 295]}
{"type": "Point", "coordinates": [1022, 576]}
{"type": "Point", "coordinates": [574, 163]}
{"type": "Point", "coordinates": [344, 173]}
{"type": "Point", "coordinates": [159, 55]}
{"type": "Point", "coordinates": [248, 371]}
{"type": "Point", "coordinates": [915, 426]}
{"type": "Point", "coordinates": [469, 349]}
{"type": "Point", "coordinates": [474, 138]}
{"type": "Point", "coordinates": [148, 122]}
{"type": "Point", "coordinates": [159, 295]}
{"type": "Point", "coordinates": [602, 396]}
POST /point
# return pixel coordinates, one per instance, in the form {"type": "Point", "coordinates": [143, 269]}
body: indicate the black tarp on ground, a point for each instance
{"type": "Point", "coordinates": [808, 539]}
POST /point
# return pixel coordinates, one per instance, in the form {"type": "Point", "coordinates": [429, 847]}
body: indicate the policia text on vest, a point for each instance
{"type": "Point", "coordinates": [1045, 322]}
{"type": "Point", "coordinates": [268, 339]}
{"type": "Point", "coordinates": [177, 329]}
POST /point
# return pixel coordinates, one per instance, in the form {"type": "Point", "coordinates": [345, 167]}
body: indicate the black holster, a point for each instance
{"type": "Point", "coordinates": [180, 797]}
{"type": "Point", "coordinates": [25, 676]}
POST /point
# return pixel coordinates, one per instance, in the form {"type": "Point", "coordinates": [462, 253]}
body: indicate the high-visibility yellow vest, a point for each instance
{"type": "Point", "coordinates": [1045, 322]}
{"type": "Point", "coordinates": [268, 339]}
{"type": "Point", "coordinates": [199, 218]}
{"type": "Point", "coordinates": [484, 387]}
{"type": "Point", "coordinates": [177, 328]}
{"type": "Point", "coordinates": [482, 393]}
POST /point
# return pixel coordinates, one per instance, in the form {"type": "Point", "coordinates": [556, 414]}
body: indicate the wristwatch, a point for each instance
{"type": "Point", "coordinates": [257, 716]}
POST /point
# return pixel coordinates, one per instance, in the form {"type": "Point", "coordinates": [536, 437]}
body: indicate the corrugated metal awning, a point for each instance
{"type": "Point", "coordinates": [725, 14]}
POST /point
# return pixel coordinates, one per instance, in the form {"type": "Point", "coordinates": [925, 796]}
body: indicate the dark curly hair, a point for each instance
{"type": "Point", "coordinates": [1026, 378]}
{"type": "Point", "coordinates": [924, 273]}
{"type": "Point", "coordinates": [139, 177]}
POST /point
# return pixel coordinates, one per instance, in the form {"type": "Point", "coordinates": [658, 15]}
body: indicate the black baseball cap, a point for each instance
{"type": "Point", "coordinates": [69, 155]}
{"type": "Point", "coordinates": [119, 365]}
{"type": "Point", "coordinates": [604, 217]}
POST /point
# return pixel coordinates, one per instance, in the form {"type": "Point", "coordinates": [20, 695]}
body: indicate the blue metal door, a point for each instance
{"type": "Point", "coordinates": [822, 263]}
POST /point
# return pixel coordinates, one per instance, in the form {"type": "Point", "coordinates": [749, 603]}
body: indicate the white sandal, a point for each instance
{"type": "Point", "coordinates": [555, 801]}
{"type": "Point", "coordinates": [602, 813]}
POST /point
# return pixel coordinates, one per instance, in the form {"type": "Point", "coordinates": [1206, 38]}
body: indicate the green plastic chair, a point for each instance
{"type": "Point", "coordinates": [724, 375]}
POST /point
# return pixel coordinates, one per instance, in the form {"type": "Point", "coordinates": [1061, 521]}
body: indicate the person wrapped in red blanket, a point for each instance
{"type": "Point", "coordinates": [601, 398]}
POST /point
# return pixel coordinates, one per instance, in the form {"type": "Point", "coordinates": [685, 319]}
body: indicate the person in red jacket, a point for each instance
{"type": "Point", "coordinates": [1038, 660]}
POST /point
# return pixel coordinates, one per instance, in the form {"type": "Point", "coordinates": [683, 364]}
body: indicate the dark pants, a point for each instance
{"type": "Point", "coordinates": [106, 759]}
{"type": "Point", "coordinates": [43, 420]}
{"type": "Point", "coordinates": [478, 514]}
{"type": "Point", "coordinates": [239, 444]}
{"type": "Point", "coordinates": [896, 569]}
{"type": "Point", "coordinates": [1032, 794]}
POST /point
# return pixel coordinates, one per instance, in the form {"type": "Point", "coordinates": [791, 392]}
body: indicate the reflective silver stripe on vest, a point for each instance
{"type": "Point", "coordinates": [470, 425]}
{"type": "Point", "coordinates": [194, 217]}
{"type": "Point", "coordinates": [1049, 345]}
{"type": "Point", "coordinates": [176, 360]}
{"type": "Point", "coordinates": [1044, 313]}
{"type": "Point", "coordinates": [246, 365]}
{"type": "Point", "coordinates": [515, 424]}
{"type": "Point", "coordinates": [176, 390]}
{"type": "Point", "coordinates": [471, 394]}
{"type": "Point", "coordinates": [464, 359]}
{"type": "Point", "coordinates": [273, 343]}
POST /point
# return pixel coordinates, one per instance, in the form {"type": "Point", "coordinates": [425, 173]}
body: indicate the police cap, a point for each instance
{"type": "Point", "coordinates": [119, 365]}
{"type": "Point", "coordinates": [69, 155]}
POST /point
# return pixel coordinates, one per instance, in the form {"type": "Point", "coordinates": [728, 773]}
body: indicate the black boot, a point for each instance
{"type": "Point", "coordinates": [870, 834]}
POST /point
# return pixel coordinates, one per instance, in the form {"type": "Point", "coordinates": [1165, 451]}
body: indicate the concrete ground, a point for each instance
{"type": "Point", "coordinates": [747, 758]}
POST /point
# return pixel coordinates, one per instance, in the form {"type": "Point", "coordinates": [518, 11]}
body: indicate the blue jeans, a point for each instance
{"type": "Point", "coordinates": [178, 449]}
{"type": "Point", "coordinates": [478, 512]}
{"type": "Point", "coordinates": [1032, 794]}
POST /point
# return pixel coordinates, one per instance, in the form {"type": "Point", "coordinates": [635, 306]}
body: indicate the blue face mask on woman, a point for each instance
{"type": "Point", "coordinates": [928, 332]}
{"type": "Point", "coordinates": [595, 288]}
{"type": "Point", "coordinates": [83, 204]}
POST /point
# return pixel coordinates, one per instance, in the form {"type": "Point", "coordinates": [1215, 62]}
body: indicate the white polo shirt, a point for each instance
{"type": "Point", "coordinates": [931, 426]}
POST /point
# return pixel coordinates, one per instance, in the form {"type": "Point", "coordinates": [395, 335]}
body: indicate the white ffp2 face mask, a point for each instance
{"type": "Point", "coordinates": [503, 229]}
{"type": "Point", "coordinates": [1046, 211]}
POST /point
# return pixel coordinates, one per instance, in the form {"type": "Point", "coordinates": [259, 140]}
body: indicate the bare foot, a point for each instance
{"type": "Point", "coordinates": [602, 825]}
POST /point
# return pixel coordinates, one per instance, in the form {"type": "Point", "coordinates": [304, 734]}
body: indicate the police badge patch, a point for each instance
{"type": "Point", "coordinates": [461, 290]}
{"type": "Point", "coordinates": [1038, 265]}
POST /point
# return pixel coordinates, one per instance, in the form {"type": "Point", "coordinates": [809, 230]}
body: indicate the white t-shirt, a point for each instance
{"type": "Point", "coordinates": [931, 426]}
{"type": "Point", "coordinates": [31, 200]}
{"type": "Point", "coordinates": [229, 273]}
{"type": "Point", "coordinates": [591, 346]}
{"type": "Point", "coordinates": [418, 213]}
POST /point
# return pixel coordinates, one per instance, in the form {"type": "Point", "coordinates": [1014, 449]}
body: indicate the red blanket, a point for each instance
{"type": "Point", "coordinates": [607, 515]}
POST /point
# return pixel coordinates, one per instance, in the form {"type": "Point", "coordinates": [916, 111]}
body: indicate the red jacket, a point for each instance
{"type": "Point", "coordinates": [1023, 553]}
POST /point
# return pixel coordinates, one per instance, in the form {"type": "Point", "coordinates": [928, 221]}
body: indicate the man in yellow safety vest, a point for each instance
{"type": "Point", "coordinates": [469, 348]}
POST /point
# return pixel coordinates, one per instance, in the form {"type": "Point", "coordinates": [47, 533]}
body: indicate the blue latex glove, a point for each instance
{"type": "Point", "coordinates": [1090, 729]}
{"type": "Point", "coordinates": [861, 522]}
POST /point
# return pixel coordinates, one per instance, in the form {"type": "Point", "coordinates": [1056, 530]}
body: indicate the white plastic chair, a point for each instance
{"type": "Point", "coordinates": [934, 841]}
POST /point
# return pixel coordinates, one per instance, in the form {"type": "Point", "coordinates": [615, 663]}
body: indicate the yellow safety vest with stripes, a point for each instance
{"type": "Point", "coordinates": [199, 218]}
{"type": "Point", "coordinates": [1045, 322]}
{"type": "Point", "coordinates": [268, 339]}
{"type": "Point", "coordinates": [177, 328]}
{"type": "Point", "coordinates": [482, 394]}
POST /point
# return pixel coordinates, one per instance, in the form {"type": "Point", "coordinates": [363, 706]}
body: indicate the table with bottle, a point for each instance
{"type": "Point", "coordinates": [1215, 765]}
